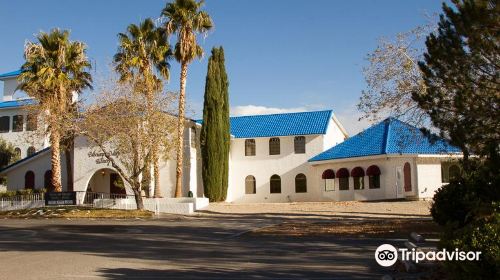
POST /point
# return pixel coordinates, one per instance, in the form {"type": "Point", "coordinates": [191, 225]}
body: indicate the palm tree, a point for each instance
{"type": "Point", "coordinates": [54, 69]}
{"type": "Point", "coordinates": [142, 50]}
{"type": "Point", "coordinates": [185, 19]}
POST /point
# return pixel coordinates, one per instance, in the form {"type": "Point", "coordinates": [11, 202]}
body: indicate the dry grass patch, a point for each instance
{"type": "Point", "coordinates": [74, 213]}
{"type": "Point", "coordinates": [361, 228]}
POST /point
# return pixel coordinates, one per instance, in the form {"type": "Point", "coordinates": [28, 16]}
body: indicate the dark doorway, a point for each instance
{"type": "Point", "coordinates": [29, 180]}
{"type": "Point", "coordinates": [48, 181]}
{"type": "Point", "coordinates": [116, 185]}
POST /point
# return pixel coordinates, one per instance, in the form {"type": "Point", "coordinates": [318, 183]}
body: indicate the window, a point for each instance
{"type": "Point", "coordinates": [250, 147]}
{"type": "Point", "coordinates": [4, 124]}
{"type": "Point", "coordinates": [17, 123]}
{"type": "Point", "coordinates": [329, 177]}
{"type": "Point", "coordinates": [373, 173]}
{"type": "Point", "coordinates": [29, 180]}
{"type": "Point", "coordinates": [407, 177]}
{"type": "Point", "coordinates": [343, 175]}
{"type": "Point", "coordinates": [299, 144]}
{"type": "Point", "coordinates": [31, 122]}
{"type": "Point", "coordinates": [17, 153]}
{"type": "Point", "coordinates": [300, 183]}
{"type": "Point", "coordinates": [358, 175]}
{"type": "Point", "coordinates": [274, 146]}
{"type": "Point", "coordinates": [250, 187]}
{"type": "Point", "coordinates": [47, 181]}
{"type": "Point", "coordinates": [275, 184]}
{"type": "Point", "coordinates": [449, 171]}
{"type": "Point", "coordinates": [31, 151]}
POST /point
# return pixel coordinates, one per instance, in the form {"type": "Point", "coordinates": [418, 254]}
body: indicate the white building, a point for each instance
{"type": "Point", "coordinates": [273, 158]}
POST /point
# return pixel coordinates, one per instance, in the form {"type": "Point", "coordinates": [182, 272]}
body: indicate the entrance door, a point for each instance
{"type": "Point", "coordinates": [116, 185]}
{"type": "Point", "coordinates": [399, 182]}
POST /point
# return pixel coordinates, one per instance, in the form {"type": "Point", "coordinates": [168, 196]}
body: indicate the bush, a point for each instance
{"type": "Point", "coordinates": [452, 204]}
{"type": "Point", "coordinates": [480, 235]}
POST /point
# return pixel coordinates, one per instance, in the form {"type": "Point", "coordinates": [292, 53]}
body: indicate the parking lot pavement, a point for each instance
{"type": "Point", "coordinates": [174, 247]}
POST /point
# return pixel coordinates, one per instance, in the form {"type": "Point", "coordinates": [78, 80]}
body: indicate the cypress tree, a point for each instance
{"type": "Point", "coordinates": [215, 134]}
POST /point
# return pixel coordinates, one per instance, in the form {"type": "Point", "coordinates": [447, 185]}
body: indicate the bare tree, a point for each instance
{"type": "Point", "coordinates": [119, 124]}
{"type": "Point", "coordinates": [392, 75]}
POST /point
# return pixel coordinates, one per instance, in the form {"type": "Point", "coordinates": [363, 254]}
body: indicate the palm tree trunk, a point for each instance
{"type": "Point", "coordinates": [55, 160]}
{"type": "Point", "coordinates": [156, 172]}
{"type": "Point", "coordinates": [69, 168]}
{"type": "Point", "coordinates": [180, 131]}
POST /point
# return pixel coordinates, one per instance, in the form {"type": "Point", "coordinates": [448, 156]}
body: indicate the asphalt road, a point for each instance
{"type": "Point", "coordinates": [173, 247]}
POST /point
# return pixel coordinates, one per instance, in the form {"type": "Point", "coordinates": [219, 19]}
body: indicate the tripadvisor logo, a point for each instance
{"type": "Point", "coordinates": [387, 255]}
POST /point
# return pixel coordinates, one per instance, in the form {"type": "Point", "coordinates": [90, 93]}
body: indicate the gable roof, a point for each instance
{"type": "Point", "coordinates": [286, 124]}
{"type": "Point", "coordinates": [16, 103]}
{"type": "Point", "coordinates": [10, 74]}
{"type": "Point", "coordinates": [391, 136]}
{"type": "Point", "coordinates": [23, 160]}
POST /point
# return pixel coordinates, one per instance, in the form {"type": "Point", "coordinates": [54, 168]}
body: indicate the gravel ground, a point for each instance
{"type": "Point", "coordinates": [353, 209]}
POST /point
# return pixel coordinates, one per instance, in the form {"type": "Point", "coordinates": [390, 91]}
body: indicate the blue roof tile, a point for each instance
{"type": "Point", "coordinates": [390, 136]}
{"type": "Point", "coordinates": [286, 124]}
{"type": "Point", "coordinates": [16, 103]}
{"type": "Point", "coordinates": [10, 74]}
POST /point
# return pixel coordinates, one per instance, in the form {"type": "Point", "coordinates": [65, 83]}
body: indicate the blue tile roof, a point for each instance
{"type": "Point", "coordinates": [10, 74]}
{"type": "Point", "coordinates": [16, 103]}
{"type": "Point", "coordinates": [390, 136]}
{"type": "Point", "coordinates": [285, 124]}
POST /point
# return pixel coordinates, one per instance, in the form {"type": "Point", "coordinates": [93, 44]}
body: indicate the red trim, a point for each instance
{"type": "Point", "coordinates": [328, 174]}
{"type": "Point", "coordinates": [357, 172]}
{"type": "Point", "coordinates": [373, 170]}
{"type": "Point", "coordinates": [342, 173]}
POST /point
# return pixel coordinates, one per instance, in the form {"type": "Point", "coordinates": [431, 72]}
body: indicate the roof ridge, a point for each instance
{"type": "Point", "coordinates": [385, 141]}
{"type": "Point", "coordinates": [288, 113]}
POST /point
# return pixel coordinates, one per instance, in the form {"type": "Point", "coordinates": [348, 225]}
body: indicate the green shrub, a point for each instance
{"type": "Point", "coordinates": [452, 204]}
{"type": "Point", "coordinates": [482, 235]}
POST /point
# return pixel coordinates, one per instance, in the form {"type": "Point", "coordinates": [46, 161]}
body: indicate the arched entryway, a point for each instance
{"type": "Point", "coordinates": [107, 181]}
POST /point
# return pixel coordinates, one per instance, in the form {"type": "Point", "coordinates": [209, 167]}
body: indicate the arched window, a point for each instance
{"type": "Point", "coordinates": [343, 175]}
{"type": "Point", "coordinates": [31, 151]}
{"type": "Point", "coordinates": [250, 186]}
{"type": "Point", "coordinates": [17, 153]}
{"type": "Point", "coordinates": [275, 184]}
{"type": "Point", "coordinates": [329, 177]}
{"type": "Point", "coordinates": [373, 173]}
{"type": "Point", "coordinates": [454, 172]}
{"type": "Point", "coordinates": [29, 180]}
{"type": "Point", "coordinates": [4, 124]}
{"type": "Point", "coordinates": [274, 146]}
{"type": "Point", "coordinates": [300, 183]}
{"type": "Point", "coordinates": [299, 144]}
{"type": "Point", "coordinates": [250, 147]}
{"type": "Point", "coordinates": [17, 123]}
{"type": "Point", "coordinates": [47, 181]}
{"type": "Point", "coordinates": [407, 177]}
{"type": "Point", "coordinates": [358, 175]}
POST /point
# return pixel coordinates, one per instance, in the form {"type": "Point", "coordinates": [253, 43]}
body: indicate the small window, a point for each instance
{"type": "Point", "coordinates": [250, 186]}
{"type": "Point", "coordinates": [29, 180]}
{"type": "Point", "coordinates": [358, 176]}
{"type": "Point", "coordinates": [250, 147]}
{"type": "Point", "coordinates": [343, 175]}
{"type": "Point", "coordinates": [17, 153]}
{"type": "Point", "coordinates": [274, 146]}
{"type": "Point", "coordinates": [31, 122]}
{"type": "Point", "coordinates": [275, 184]}
{"type": "Point", "coordinates": [4, 124]}
{"type": "Point", "coordinates": [17, 123]}
{"type": "Point", "coordinates": [329, 177]}
{"type": "Point", "coordinates": [299, 144]}
{"type": "Point", "coordinates": [407, 177]}
{"type": "Point", "coordinates": [300, 183]}
{"type": "Point", "coordinates": [31, 151]}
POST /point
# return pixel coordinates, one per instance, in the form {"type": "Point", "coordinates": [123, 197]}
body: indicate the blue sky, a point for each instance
{"type": "Point", "coordinates": [280, 55]}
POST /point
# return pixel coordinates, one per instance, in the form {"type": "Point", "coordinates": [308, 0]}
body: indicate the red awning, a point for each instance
{"type": "Point", "coordinates": [357, 172]}
{"type": "Point", "coordinates": [342, 173]}
{"type": "Point", "coordinates": [328, 174]}
{"type": "Point", "coordinates": [373, 170]}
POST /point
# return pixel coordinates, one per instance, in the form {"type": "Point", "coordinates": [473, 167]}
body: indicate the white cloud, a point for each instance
{"type": "Point", "coordinates": [262, 110]}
